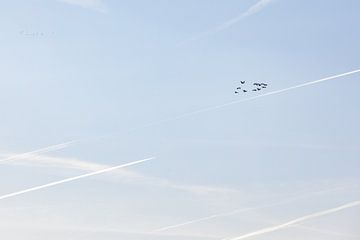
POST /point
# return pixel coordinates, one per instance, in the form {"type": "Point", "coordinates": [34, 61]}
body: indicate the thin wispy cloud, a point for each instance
{"type": "Point", "coordinates": [51, 148]}
{"type": "Point", "coordinates": [295, 221]}
{"type": "Point", "coordinates": [256, 8]}
{"type": "Point", "coordinates": [97, 5]}
{"type": "Point", "coordinates": [10, 195]}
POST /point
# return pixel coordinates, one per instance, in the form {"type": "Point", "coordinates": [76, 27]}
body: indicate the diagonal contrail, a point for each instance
{"type": "Point", "coordinates": [41, 150]}
{"type": "Point", "coordinates": [208, 109]}
{"type": "Point", "coordinates": [241, 210]}
{"type": "Point", "coordinates": [257, 7]}
{"type": "Point", "coordinates": [250, 98]}
{"type": "Point", "coordinates": [295, 221]}
{"type": "Point", "coordinates": [199, 220]}
{"type": "Point", "coordinates": [72, 179]}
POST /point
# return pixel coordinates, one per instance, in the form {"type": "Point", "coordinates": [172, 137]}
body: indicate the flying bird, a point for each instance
{"type": "Point", "coordinates": [257, 87]}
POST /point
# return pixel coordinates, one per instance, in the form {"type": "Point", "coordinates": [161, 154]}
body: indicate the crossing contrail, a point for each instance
{"type": "Point", "coordinates": [73, 179]}
{"type": "Point", "coordinates": [208, 109]}
{"type": "Point", "coordinates": [38, 151]}
{"type": "Point", "coordinates": [295, 221]}
{"type": "Point", "coordinates": [241, 210]}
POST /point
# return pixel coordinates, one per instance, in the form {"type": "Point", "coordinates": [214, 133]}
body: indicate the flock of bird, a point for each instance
{"type": "Point", "coordinates": [256, 87]}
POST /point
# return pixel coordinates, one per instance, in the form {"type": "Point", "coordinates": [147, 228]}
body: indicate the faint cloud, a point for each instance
{"type": "Point", "coordinates": [97, 5]}
{"type": "Point", "coordinates": [10, 157]}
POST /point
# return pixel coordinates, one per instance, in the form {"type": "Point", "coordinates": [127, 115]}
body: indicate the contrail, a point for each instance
{"type": "Point", "coordinates": [199, 220]}
{"type": "Point", "coordinates": [295, 221]}
{"type": "Point", "coordinates": [72, 179]}
{"type": "Point", "coordinates": [39, 160]}
{"type": "Point", "coordinates": [317, 230]}
{"type": "Point", "coordinates": [41, 150]}
{"type": "Point", "coordinates": [257, 7]}
{"type": "Point", "coordinates": [241, 210]}
{"type": "Point", "coordinates": [208, 109]}
{"type": "Point", "coordinates": [250, 98]}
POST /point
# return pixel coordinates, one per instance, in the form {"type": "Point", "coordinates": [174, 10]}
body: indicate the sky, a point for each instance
{"type": "Point", "coordinates": [91, 88]}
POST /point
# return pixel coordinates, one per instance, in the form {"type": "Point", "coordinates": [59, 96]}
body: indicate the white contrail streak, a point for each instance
{"type": "Point", "coordinates": [241, 210]}
{"type": "Point", "coordinates": [199, 220]}
{"type": "Point", "coordinates": [251, 98]}
{"type": "Point", "coordinates": [208, 109]}
{"type": "Point", "coordinates": [72, 179]}
{"type": "Point", "coordinates": [257, 7]}
{"type": "Point", "coordinates": [38, 151]}
{"type": "Point", "coordinates": [295, 221]}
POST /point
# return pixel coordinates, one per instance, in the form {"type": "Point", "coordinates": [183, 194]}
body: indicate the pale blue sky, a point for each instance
{"type": "Point", "coordinates": [85, 69]}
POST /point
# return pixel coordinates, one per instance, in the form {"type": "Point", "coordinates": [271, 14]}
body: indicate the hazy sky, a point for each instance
{"type": "Point", "coordinates": [100, 73]}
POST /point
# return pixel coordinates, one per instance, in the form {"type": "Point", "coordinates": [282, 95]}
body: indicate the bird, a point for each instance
{"type": "Point", "coordinates": [236, 92]}
{"type": "Point", "coordinates": [254, 90]}
{"type": "Point", "coordinates": [258, 89]}
{"type": "Point", "coordinates": [244, 90]}
{"type": "Point", "coordinates": [242, 82]}
{"type": "Point", "coordinates": [238, 88]}
{"type": "Point", "coordinates": [263, 86]}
